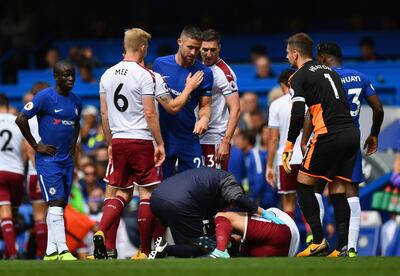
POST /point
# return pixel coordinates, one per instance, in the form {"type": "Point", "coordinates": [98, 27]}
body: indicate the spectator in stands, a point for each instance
{"type": "Point", "coordinates": [101, 160]}
{"type": "Point", "coordinates": [90, 180]}
{"type": "Point", "coordinates": [85, 71]}
{"type": "Point", "coordinates": [263, 68]}
{"type": "Point", "coordinates": [52, 56]}
{"type": "Point", "coordinates": [90, 129]}
{"type": "Point", "coordinates": [75, 56]}
{"type": "Point", "coordinates": [255, 163]}
{"type": "Point", "coordinates": [367, 47]}
{"type": "Point", "coordinates": [256, 52]}
{"type": "Point", "coordinates": [249, 106]}
{"type": "Point", "coordinates": [88, 58]}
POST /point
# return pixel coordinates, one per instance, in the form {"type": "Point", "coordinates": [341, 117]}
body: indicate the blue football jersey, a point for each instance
{"type": "Point", "coordinates": [57, 116]}
{"type": "Point", "coordinates": [178, 129]}
{"type": "Point", "coordinates": [358, 87]}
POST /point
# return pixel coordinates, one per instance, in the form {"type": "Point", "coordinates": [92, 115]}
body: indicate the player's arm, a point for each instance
{"type": "Point", "coordinates": [307, 130]}
{"type": "Point", "coordinates": [201, 125]}
{"type": "Point", "coordinates": [30, 152]}
{"type": "Point", "coordinates": [296, 123]}
{"type": "Point", "coordinates": [104, 118]}
{"type": "Point", "coordinates": [172, 105]}
{"type": "Point", "coordinates": [77, 128]}
{"type": "Point", "coordinates": [233, 103]}
{"type": "Point", "coordinates": [371, 143]}
{"type": "Point", "coordinates": [153, 123]}
{"type": "Point", "coordinates": [272, 146]}
{"type": "Point", "coordinates": [22, 122]}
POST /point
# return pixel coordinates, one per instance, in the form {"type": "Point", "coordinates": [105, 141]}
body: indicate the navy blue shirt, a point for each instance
{"type": "Point", "coordinates": [57, 116]}
{"type": "Point", "coordinates": [178, 129]}
{"type": "Point", "coordinates": [358, 87]}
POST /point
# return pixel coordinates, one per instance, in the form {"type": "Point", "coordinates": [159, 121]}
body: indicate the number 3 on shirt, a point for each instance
{"type": "Point", "coordinates": [333, 85]}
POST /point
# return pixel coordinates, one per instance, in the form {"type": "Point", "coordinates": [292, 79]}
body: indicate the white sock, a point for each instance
{"type": "Point", "coordinates": [355, 220]}
{"type": "Point", "coordinates": [56, 219]}
{"type": "Point", "coordinates": [321, 207]}
{"type": "Point", "coordinates": [51, 243]}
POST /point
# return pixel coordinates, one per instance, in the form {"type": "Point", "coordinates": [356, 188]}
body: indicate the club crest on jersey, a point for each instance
{"type": "Point", "coordinates": [233, 85]}
{"type": "Point", "coordinates": [29, 106]}
{"type": "Point", "coordinates": [52, 191]}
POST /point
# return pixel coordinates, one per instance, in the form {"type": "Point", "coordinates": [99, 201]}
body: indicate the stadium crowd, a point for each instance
{"type": "Point", "coordinates": [241, 123]}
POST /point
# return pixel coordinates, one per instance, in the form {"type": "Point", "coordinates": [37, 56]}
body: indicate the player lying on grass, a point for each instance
{"type": "Point", "coordinates": [187, 202]}
{"type": "Point", "coordinates": [257, 236]}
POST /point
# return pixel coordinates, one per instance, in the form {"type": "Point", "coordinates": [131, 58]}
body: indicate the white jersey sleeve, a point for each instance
{"type": "Point", "coordinates": [273, 116]}
{"type": "Point", "coordinates": [10, 145]}
{"type": "Point", "coordinates": [225, 83]}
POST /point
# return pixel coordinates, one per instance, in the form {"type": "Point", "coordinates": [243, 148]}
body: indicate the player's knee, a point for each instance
{"type": "Point", "coordinates": [352, 190]}
{"type": "Point", "coordinates": [337, 187]}
{"type": "Point", "coordinates": [221, 214]}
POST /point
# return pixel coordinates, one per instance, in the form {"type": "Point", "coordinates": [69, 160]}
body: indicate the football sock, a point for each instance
{"type": "Point", "coordinates": [41, 237]}
{"type": "Point", "coordinates": [146, 221]}
{"type": "Point", "coordinates": [321, 207]}
{"type": "Point", "coordinates": [56, 221]}
{"type": "Point", "coordinates": [309, 206]}
{"type": "Point", "coordinates": [7, 229]}
{"type": "Point", "coordinates": [184, 251]}
{"type": "Point", "coordinates": [223, 231]}
{"type": "Point", "coordinates": [51, 246]}
{"type": "Point", "coordinates": [112, 211]}
{"type": "Point", "coordinates": [159, 229]}
{"type": "Point", "coordinates": [342, 217]}
{"type": "Point", "coordinates": [355, 220]}
{"type": "Point", "coordinates": [112, 235]}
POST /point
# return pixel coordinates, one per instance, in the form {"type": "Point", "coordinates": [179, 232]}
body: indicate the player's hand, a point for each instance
{"type": "Point", "coordinates": [222, 151]}
{"type": "Point", "coordinates": [270, 216]}
{"type": "Point", "coordinates": [287, 156]}
{"type": "Point", "coordinates": [201, 126]}
{"type": "Point", "coordinates": [371, 144]}
{"type": "Point", "coordinates": [270, 177]}
{"type": "Point", "coordinates": [192, 82]}
{"type": "Point", "coordinates": [109, 151]}
{"type": "Point", "coordinates": [159, 155]}
{"type": "Point", "coordinates": [46, 149]}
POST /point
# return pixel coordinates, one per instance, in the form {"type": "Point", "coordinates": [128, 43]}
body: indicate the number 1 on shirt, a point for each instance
{"type": "Point", "coordinates": [333, 85]}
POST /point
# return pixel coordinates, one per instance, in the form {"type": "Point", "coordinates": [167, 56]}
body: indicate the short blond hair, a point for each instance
{"type": "Point", "coordinates": [134, 38]}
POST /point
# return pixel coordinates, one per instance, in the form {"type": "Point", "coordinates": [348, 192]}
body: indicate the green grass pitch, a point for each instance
{"type": "Point", "coordinates": [206, 267]}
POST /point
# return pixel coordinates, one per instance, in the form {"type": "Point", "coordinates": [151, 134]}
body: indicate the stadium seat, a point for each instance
{"type": "Point", "coordinates": [368, 242]}
{"type": "Point", "coordinates": [393, 248]}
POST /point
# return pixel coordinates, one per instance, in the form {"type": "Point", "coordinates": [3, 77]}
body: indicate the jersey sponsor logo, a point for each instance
{"type": "Point", "coordinates": [58, 110]}
{"type": "Point", "coordinates": [29, 106]}
{"type": "Point", "coordinates": [64, 122]}
{"type": "Point", "coordinates": [347, 79]}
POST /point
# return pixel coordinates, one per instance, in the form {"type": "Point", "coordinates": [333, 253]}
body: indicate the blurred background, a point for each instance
{"type": "Point", "coordinates": [34, 35]}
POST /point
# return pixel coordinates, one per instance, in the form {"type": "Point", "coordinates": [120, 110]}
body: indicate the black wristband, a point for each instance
{"type": "Point", "coordinates": [374, 131]}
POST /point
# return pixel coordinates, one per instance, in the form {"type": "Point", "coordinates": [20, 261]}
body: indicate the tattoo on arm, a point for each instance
{"type": "Point", "coordinates": [166, 98]}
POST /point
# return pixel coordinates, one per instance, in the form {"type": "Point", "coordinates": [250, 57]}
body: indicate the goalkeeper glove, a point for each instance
{"type": "Point", "coordinates": [287, 156]}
